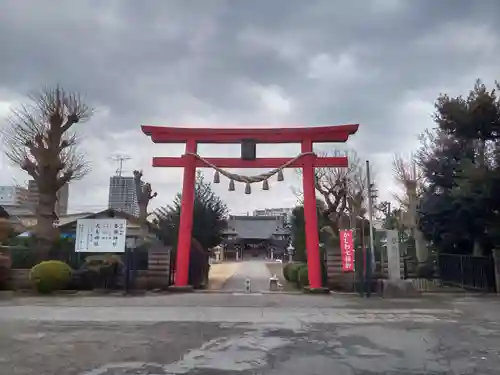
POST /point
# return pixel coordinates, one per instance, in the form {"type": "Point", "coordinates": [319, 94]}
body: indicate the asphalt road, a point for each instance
{"type": "Point", "coordinates": [256, 334]}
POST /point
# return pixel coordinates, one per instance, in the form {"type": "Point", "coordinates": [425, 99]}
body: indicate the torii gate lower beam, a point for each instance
{"type": "Point", "coordinates": [305, 136]}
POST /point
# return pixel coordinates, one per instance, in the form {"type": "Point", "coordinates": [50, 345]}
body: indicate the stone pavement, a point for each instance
{"type": "Point", "coordinates": [255, 270]}
{"type": "Point", "coordinates": [228, 333]}
{"type": "Point", "coordinates": [220, 273]}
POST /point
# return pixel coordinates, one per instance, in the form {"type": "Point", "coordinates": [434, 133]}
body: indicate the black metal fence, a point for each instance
{"type": "Point", "coordinates": [467, 271]}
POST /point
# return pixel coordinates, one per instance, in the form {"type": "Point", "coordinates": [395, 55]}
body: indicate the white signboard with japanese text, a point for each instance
{"type": "Point", "coordinates": [101, 235]}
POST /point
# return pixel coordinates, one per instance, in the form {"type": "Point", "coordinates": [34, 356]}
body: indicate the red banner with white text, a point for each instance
{"type": "Point", "coordinates": [347, 248]}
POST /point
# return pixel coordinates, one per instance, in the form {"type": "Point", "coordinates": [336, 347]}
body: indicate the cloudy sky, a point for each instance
{"type": "Point", "coordinates": [220, 63]}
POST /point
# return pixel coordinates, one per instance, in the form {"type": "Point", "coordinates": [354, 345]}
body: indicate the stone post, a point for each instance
{"type": "Point", "coordinates": [393, 255]}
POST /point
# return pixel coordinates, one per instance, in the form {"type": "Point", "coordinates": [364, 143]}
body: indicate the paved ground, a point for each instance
{"type": "Point", "coordinates": [220, 273]}
{"type": "Point", "coordinates": [248, 334]}
{"type": "Point", "coordinates": [255, 270]}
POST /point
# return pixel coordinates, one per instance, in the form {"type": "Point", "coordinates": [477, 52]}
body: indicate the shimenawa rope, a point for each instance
{"type": "Point", "coordinates": [250, 179]}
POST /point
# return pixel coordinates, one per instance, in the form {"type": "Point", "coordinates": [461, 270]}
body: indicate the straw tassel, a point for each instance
{"type": "Point", "coordinates": [265, 185]}
{"type": "Point", "coordinates": [231, 185]}
{"type": "Point", "coordinates": [248, 189]}
{"type": "Point", "coordinates": [280, 175]}
{"type": "Point", "coordinates": [216, 177]}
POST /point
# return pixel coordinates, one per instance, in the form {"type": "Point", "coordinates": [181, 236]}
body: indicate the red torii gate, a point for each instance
{"type": "Point", "coordinates": [307, 160]}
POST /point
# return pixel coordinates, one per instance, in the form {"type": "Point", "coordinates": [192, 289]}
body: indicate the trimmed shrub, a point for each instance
{"type": "Point", "coordinates": [294, 271]}
{"type": "Point", "coordinates": [50, 275]}
{"type": "Point", "coordinates": [303, 277]}
{"type": "Point", "coordinates": [286, 271]}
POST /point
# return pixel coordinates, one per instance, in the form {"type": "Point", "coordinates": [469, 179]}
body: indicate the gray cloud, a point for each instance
{"type": "Point", "coordinates": [380, 63]}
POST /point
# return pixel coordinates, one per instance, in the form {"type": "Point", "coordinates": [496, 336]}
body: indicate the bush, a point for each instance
{"type": "Point", "coordinates": [425, 270]}
{"type": "Point", "coordinates": [99, 271]}
{"type": "Point", "coordinates": [50, 275]}
{"type": "Point", "coordinates": [294, 271]}
{"type": "Point", "coordinates": [303, 277]}
{"type": "Point", "coordinates": [23, 258]}
{"type": "Point", "coordinates": [5, 265]}
{"type": "Point", "coordinates": [286, 271]}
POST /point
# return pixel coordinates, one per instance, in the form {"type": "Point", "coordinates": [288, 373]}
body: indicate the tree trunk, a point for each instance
{"type": "Point", "coordinates": [420, 246]}
{"type": "Point", "coordinates": [143, 212]}
{"type": "Point", "coordinates": [45, 232]}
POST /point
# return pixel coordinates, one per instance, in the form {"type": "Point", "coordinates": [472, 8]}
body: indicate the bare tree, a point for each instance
{"type": "Point", "coordinates": [144, 196]}
{"type": "Point", "coordinates": [410, 177]}
{"type": "Point", "coordinates": [343, 190]}
{"type": "Point", "coordinates": [39, 139]}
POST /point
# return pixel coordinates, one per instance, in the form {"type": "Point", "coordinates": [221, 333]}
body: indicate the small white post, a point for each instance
{"type": "Point", "coordinates": [273, 283]}
{"type": "Point", "coordinates": [247, 285]}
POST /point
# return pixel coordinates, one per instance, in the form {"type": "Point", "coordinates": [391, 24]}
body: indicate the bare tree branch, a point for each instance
{"type": "Point", "coordinates": [408, 176]}
{"type": "Point", "coordinates": [343, 190]}
{"type": "Point", "coordinates": [37, 136]}
{"type": "Point", "coordinates": [38, 139]}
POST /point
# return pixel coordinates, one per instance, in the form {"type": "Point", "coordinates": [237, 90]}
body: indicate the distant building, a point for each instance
{"type": "Point", "coordinates": [273, 212]}
{"type": "Point", "coordinates": [256, 236]}
{"type": "Point", "coordinates": [21, 217]}
{"type": "Point", "coordinates": [61, 207]}
{"type": "Point", "coordinates": [13, 196]}
{"type": "Point", "coordinates": [122, 195]}
{"type": "Point", "coordinates": [287, 212]}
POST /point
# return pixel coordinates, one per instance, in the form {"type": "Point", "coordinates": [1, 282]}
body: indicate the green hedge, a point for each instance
{"type": "Point", "coordinates": [303, 277]}
{"type": "Point", "coordinates": [26, 257]}
{"type": "Point", "coordinates": [294, 271]}
{"type": "Point", "coordinates": [286, 271]}
{"type": "Point", "coordinates": [22, 258]}
{"type": "Point", "coordinates": [291, 273]}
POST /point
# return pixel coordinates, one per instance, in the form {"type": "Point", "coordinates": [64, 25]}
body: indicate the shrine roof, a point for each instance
{"type": "Point", "coordinates": [255, 227]}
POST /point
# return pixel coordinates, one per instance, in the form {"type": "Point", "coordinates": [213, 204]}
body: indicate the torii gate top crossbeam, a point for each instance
{"type": "Point", "coordinates": [339, 133]}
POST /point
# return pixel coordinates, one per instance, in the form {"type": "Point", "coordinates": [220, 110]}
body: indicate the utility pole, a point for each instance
{"type": "Point", "coordinates": [388, 215]}
{"type": "Point", "coordinates": [370, 205]}
{"type": "Point", "coordinates": [120, 159]}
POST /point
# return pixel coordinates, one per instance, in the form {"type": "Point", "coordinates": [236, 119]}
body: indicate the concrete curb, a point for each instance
{"type": "Point", "coordinates": [241, 291]}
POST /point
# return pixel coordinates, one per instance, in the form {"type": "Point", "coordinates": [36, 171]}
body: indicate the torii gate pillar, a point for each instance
{"type": "Point", "coordinates": [186, 219]}
{"type": "Point", "coordinates": [311, 218]}
{"type": "Point", "coordinates": [305, 136]}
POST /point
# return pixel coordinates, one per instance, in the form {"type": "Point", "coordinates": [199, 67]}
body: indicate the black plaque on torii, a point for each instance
{"type": "Point", "coordinates": [248, 149]}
